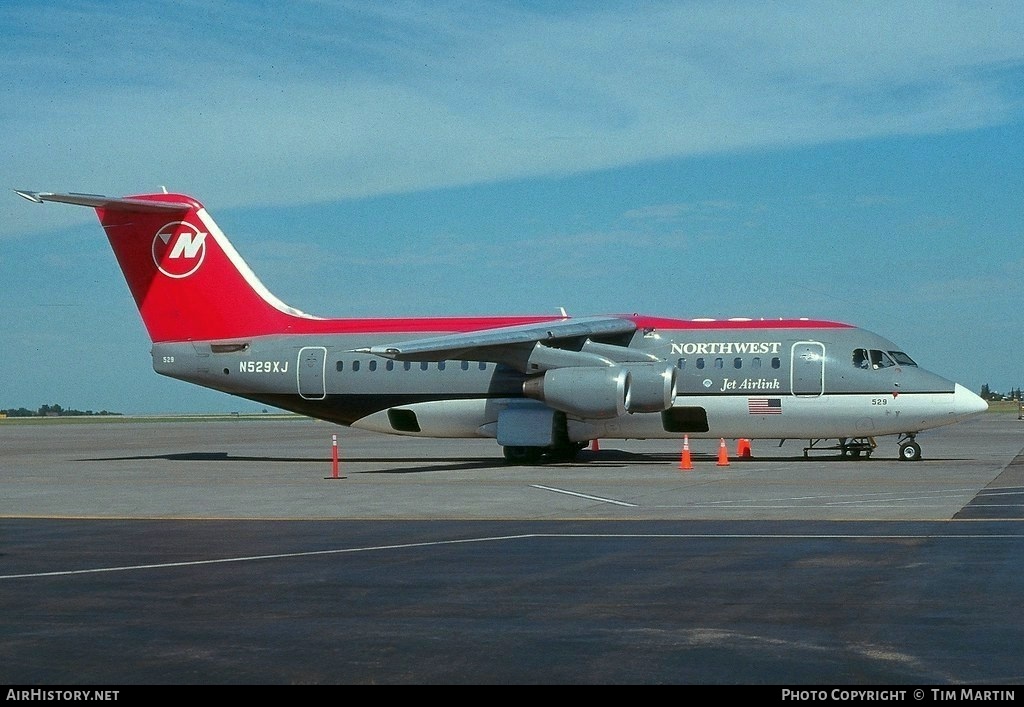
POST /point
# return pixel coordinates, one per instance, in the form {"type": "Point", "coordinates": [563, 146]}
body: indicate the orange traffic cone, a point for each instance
{"type": "Point", "coordinates": [685, 463]}
{"type": "Point", "coordinates": [723, 454]}
{"type": "Point", "coordinates": [594, 446]}
{"type": "Point", "coordinates": [743, 448]}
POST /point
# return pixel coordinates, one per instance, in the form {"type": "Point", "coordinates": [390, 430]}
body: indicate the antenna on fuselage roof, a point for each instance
{"type": "Point", "coordinates": [564, 314]}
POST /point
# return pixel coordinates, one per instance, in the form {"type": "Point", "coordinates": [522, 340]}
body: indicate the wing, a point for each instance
{"type": "Point", "coordinates": [529, 348]}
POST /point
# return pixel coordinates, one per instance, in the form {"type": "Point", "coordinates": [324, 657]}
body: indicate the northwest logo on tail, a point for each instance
{"type": "Point", "coordinates": [179, 249]}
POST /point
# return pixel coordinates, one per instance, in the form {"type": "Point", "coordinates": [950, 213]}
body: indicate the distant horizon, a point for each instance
{"type": "Point", "coordinates": [270, 410]}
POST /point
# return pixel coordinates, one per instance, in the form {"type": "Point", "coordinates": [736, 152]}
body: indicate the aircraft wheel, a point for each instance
{"type": "Point", "coordinates": [522, 455]}
{"type": "Point", "coordinates": [565, 452]}
{"type": "Point", "coordinates": [910, 452]}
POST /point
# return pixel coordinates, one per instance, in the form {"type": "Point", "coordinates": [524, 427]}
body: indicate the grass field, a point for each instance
{"type": "Point", "coordinates": [94, 419]}
{"type": "Point", "coordinates": [1004, 407]}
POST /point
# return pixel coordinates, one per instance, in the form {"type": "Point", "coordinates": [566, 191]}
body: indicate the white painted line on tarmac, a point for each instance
{"type": "Point", "coordinates": [583, 495]}
{"type": "Point", "coordinates": [254, 558]}
{"type": "Point", "coordinates": [525, 536]}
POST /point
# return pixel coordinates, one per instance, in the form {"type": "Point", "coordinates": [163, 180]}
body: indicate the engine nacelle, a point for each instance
{"type": "Point", "coordinates": [599, 392]}
{"type": "Point", "coordinates": [588, 392]}
{"type": "Point", "coordinates": [652, 388]}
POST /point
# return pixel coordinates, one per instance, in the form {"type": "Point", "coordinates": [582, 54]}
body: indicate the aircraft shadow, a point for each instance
{"type": "Point", "coordinates": [606, 458]}
{"type": "Point", "coordinates": [425, 462]}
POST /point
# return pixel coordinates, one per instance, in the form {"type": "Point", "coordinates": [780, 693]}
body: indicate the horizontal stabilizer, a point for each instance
{"type": "Point", "coordinates": [97, 201]}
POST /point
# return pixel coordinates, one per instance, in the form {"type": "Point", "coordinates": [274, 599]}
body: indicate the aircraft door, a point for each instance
{"type": "Point", "coordinates": [807, 368]}
{"type": "Point", "coordinates": [311, 372]}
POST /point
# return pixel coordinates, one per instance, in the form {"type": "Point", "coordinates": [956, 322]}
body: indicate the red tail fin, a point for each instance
{"type": "Point", "coordinates": [187, 279]}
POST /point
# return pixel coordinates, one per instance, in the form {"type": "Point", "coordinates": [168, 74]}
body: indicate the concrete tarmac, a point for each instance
{"type": "Point", "coordinates": [224, 552]}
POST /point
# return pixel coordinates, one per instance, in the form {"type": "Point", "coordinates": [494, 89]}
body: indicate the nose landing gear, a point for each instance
{"type": "Point", "coordinates": [910, 451]}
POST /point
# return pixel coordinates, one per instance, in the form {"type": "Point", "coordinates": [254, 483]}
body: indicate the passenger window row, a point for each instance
{"type": "Point", "coordinates": [388, 365]}
{"type": "Point", "coordinates": [862, 358]}
{"type": "Point", "coordinates": [719, 362]}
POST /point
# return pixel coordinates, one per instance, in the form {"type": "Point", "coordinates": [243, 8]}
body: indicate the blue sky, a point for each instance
{"type": "Point", "coordinates": [852, 161]}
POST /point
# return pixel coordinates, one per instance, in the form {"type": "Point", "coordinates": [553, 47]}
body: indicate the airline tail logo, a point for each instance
{"type": "Point", "coordinates": [179, 249]}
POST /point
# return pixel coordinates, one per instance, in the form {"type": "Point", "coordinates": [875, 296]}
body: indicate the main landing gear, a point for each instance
{"type": "Point", "coordinates": [527, 456]}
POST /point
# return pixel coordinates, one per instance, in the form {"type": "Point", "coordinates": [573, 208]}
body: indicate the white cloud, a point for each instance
{"type": "Point", "coordinates": [328, 101]}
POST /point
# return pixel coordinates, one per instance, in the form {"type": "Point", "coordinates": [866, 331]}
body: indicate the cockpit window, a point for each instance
{"type": "Point", "coordinates": [874, 358]}
{"type": "Point", "coordinates": [880, 359]}
{"type": "Point", "coordinates": [902, 359]}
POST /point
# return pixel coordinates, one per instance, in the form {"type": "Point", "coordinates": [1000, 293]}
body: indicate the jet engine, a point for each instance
{"type": "Point", "coordinates": [652, 388]}
{"type": "Point", "coordinates": [605, 392]}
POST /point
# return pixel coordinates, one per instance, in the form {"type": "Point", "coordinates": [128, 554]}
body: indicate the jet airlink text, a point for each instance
{"type": "Point", "coordinates": [751, 384]}
{"type": "Point", "coordinates": [846, 695]}
{"type": "Point", "coordinates": [728, 347]}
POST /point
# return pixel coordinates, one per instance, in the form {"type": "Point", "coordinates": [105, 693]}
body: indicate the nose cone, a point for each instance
{"type": "Point", "coordinates": [967, 404]}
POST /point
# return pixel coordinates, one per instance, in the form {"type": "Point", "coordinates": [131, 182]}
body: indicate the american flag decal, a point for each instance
{"type": "Point", "coordinates": [764, 406]}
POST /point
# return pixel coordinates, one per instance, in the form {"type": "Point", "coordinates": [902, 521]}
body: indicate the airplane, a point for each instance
{"type": "Point", "coordinates": [544, 387]}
